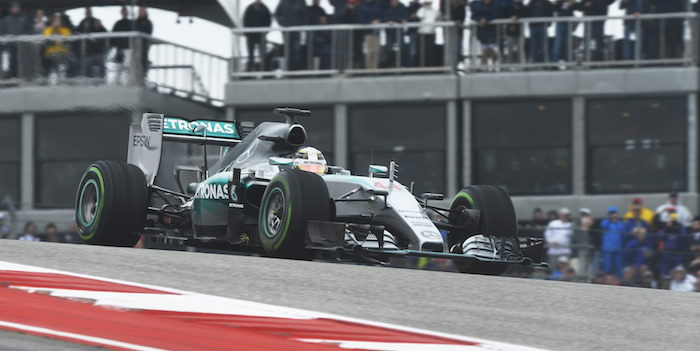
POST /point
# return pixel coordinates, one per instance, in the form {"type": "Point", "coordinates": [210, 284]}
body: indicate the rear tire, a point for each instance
{"type": "Point", "coordinates": [111, 204]}
{"type": "Point", "coordinates": [497, 218]}
{"type": "Point", "coordinates": [291, 199]}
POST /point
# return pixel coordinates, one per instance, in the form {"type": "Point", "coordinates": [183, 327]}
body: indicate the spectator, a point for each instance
{"type": "Point", "coordinates": [95, 49]}
{"type": "Point", "coordinates": [396, 13]}
{"type": "Point", "coordinates": [561, 269]}
{"type": "Point", "coordinates": [57, 53]}
{"type": "Point", "coordinates": [292, 13]}
{"type": "Point", "coordinates": [355, 37]}
{"type": "Point", "coordinates": [52, 234]}
{"type": "Point", "coordinates": [257, 15]}
{"type": "Point", "coordinates": [636, 221]}
{"type": "Point", "coordinates": [513, 10]}
{"type": "Point", "coordinates": [673, 245]}
{"type": "Point", "coordinates": [639, 250]}
{"type": "Point", "coordinates": [695, 238]}
{"type": "Point", "coordinates": [457, 14]}
{"type": "Point", "coordinates": [552, 215]}
{"type": "Point", "coordinates": [483, 12]}
{"type": "Point", "coordinates": [39, 21]}
{"type": "Point", "coordinates": [5, 232]}
{"type": "Point", "coordinates": [428, 16]}
{"type": "Point", "coordinates": [561, 50]}
{"type": "Point", "coordinates": [674, 205]}
{"type": "Point", "coordinates": [339, 7]}
{"type": "Point", "coordinates": [612, 244]}
{"type": "Point", "coordinates": [322, 44]}
{"type": "Point", "coordinates": [597, 28]}
{"type": "Point", "coordinates": [315, 13]}
{"type": "Point", "coordinates": [144, 25]}
{"type": "Point", "coordinates": [15, 23]}
{"type": "Point", "coordinates": [647, 280]}
{"type": "Point", "coordinates": [29, 232]}
{"type": "Point", "coordinates": [643, 213]}
{"type": "Point", "coordinates": [582, 242]}
{"type": "Point", "coordinates": [538, 31]}
{"type": "Point", "coordinates": [558, 236]}
{"type": "Point", "coordinates": [673, 28]}
{"type": "Point", "coordinates": [369, 12]}
{"type": "Point", "coordinates": [122, 44]}
{"type": "Point", "coordinates": [413, 39]}
{"type": "Point", "coordinates": [681, 280]}
{"type": "Point", "coordinates": [633, 8]}
{"type": "Point", "coordinates": [629, 277]}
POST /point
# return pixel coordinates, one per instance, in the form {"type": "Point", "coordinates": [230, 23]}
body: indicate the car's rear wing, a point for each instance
{"type": "Point", "coordinates": [146, 138]}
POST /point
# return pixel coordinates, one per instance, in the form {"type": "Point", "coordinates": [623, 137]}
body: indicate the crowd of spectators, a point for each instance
{"type": "Point", "coordinates": [638, 247]}
{"type": "Point", "coordinates": [80, 57]}
{"type": "Point", "coordinates": [31, 232]}
{"type": "Point", "coordinates": [498, 42]}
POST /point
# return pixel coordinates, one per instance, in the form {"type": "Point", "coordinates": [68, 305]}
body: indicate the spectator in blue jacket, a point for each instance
{"type": "Point", "coordinates": [563, 30]}
{"type": "Point", "coordinates": [673, 245]}
{"type": "Point", "coordinates": [639, 250]}
{"type": "Point", "coordinates": [483, 12]}
{"type": "Point", "coordinates": [538, 31]}
{"type": "Point", "coordinates": [612, 243]}
{"type": "Point", "coordinates": [396, 13]}
{"type": "Point", "coordinates": [634, 8]}
{"type": "Point", "coordinates": [370, 12]}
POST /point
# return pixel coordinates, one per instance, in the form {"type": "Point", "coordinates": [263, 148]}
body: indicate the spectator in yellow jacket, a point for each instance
{"type": "Point", "coordinates": [57, 51]}
{"type": "Point", "coordinates": [647, 215]}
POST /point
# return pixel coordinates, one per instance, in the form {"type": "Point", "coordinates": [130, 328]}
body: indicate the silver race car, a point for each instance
{"type": "Point", "coordinates": [269, 194]}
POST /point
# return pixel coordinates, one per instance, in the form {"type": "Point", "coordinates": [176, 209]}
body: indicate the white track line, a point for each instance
{"type": "Point", "coordinates": [73, 336]}
{"type": "Point", "coordinates": [283, 312]}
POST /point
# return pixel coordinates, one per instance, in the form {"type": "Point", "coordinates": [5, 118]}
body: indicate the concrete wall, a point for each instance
{"type": "Point", "coordinates": [576, 85]}
{"type": "Point", "coordinates": [28, 101]}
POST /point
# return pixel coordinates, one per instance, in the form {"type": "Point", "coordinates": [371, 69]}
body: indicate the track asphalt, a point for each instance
{"type": "Point", "coordinates": [546, 314]}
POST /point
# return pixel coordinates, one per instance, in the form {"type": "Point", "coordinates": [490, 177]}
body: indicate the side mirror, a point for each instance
{"type": "Point", "coordinates": [280, 161]}
{"type": "Point", "coordinates": [432, 196]}
{"type": "Point", "coordinates": [192, 188]}
{"type": "Point", "coordinates": [378, 170]}
{"type": "Point", "coordinates": [378, 192]}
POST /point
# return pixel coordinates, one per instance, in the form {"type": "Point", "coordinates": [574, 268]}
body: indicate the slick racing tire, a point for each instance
{"type": "Point", "coordinates": [111, 204]}
{"type": "Point", "coordinates": [290, 200]}
{"type": "Point", "coordinates": [496, 218]}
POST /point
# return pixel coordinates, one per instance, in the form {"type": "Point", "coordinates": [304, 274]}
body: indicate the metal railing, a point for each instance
{"type": "Point", "coordinates": [503, 44]}
{"type": "Point", "coordinates": [127, 58]}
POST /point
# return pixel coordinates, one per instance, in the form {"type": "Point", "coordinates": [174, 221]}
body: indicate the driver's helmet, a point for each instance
{"type": "Point", "coordinates": [310, 159]}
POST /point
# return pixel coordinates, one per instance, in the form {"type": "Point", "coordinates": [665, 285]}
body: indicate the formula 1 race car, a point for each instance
{"type": "Point", "coordinates": [270, 195]}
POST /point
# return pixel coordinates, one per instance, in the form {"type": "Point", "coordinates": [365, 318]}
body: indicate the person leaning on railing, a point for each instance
{"type": "Point", "coordinates": [395, 14]}
{"type": "Point", "coordinates": [256, 14]}
{"type": "Point", "coordinates": [538, 31]}
{"type": "Point", "coordinates": [597, 28]}
{"type": "Point", "coordinates": [58, 52]}
{"type": "Point", "coordinates": [483, 12]}
{"type": "Point", "coordinates": [514, 10]}
{"type": "Point", "coordinates": [15, 23]}
{"type": "Point", "coordinates": [563, 30]}
{"type": "Point", "coordinates": [428, 16]}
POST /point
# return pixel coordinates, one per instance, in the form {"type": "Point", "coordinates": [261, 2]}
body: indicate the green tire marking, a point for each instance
{"type": "Point", "coordinates": [466, 196]}
{"type": "Point", "coordinates": [100, 204]}
{"type": "Point", "coordinates": [80, 203]}
{"type": "Point", "coordinates": [287, 220]}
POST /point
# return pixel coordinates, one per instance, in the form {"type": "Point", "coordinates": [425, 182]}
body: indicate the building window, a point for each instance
{"type": "Point", "coordinates": [637, 145]}
{"type": "Point", "coordinates": [410, 134]}
{"type": "Point", "coordinates": [524, 146]}
{"type": "Point", "coordinates": [319, 127]}
{"type": "Point", "coordinates": [10, 132]}
{"type": "Point", "coordinates": [65, 144]}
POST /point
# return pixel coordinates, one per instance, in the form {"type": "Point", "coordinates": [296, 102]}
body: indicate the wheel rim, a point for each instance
{"type": "Point", "coordinates": [276, 211]}
{"type": "Point", "coordinates": [89, 201]}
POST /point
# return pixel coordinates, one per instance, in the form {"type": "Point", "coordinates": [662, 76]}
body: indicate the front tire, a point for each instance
{"type": "Point", "coordinates": [291, 199]}
{"type": "Point", "coordinates": [497, 218]}
{"type": "Point", "coordinates": [111, 204]}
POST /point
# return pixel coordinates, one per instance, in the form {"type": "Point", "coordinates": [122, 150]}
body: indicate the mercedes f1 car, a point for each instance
{"type": "Point", "coordinates": [269, 194]}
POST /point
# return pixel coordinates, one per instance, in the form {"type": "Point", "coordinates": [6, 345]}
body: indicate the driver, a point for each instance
{"type": "Point", "coordinates": [310, 159]}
